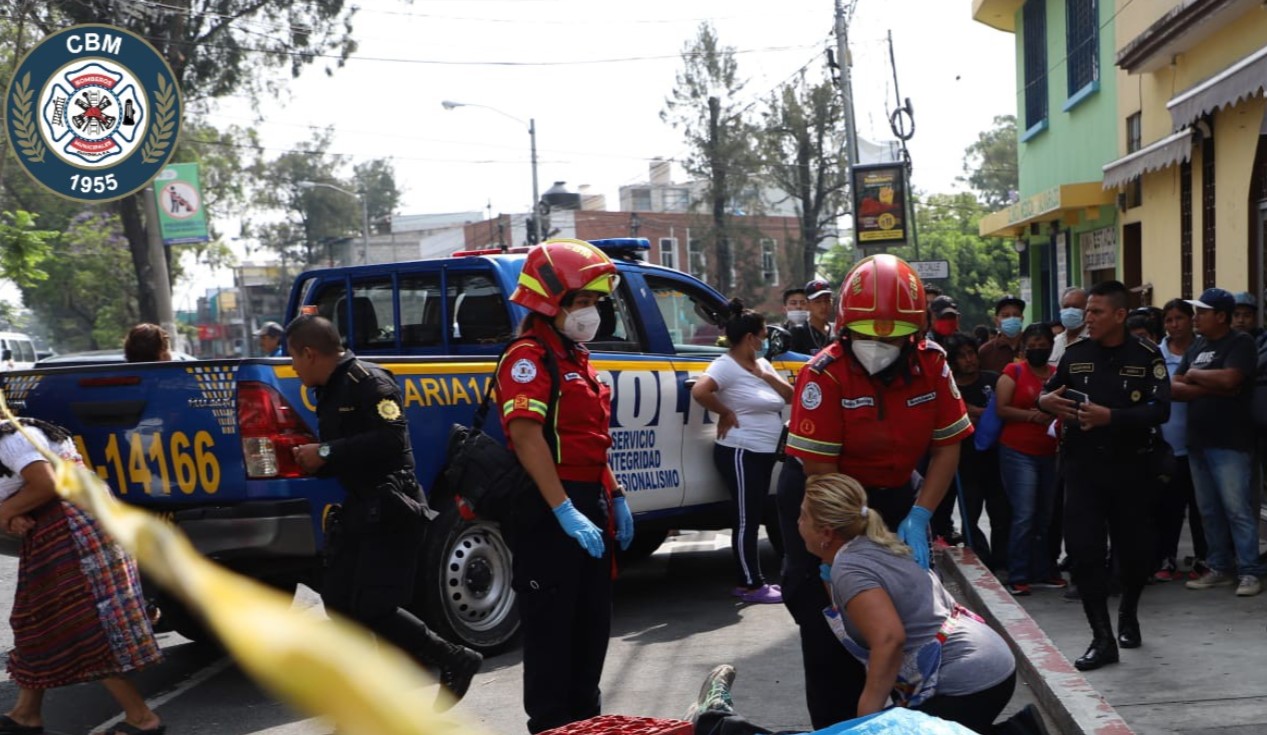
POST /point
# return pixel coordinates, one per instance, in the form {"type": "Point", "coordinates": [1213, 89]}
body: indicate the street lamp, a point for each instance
{"type": "Point", "coordinates": [532, 141]}
{"type": "Point", "coordinates": [365, 212]}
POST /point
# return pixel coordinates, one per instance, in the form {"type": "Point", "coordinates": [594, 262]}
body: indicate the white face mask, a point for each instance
{"type": "Point", "coordinates": [581, 325]}
{"type": "Point", "coordinates": [874, 356]}
{"type": "Point", "coordinates": [798, 316]}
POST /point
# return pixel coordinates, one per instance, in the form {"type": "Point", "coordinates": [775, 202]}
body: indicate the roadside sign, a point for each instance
{"type": "Point", "coordinates": [931, 269]}
{"type": "Point", "coordinates": [181, 217]}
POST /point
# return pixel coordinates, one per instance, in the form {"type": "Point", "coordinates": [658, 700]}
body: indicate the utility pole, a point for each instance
{"type": "Point", "coordinates": [846, 85]}
{"type": "Point", "coordinates": [717, 169]}
{"type": "Point", "coordinates": [158, 264]}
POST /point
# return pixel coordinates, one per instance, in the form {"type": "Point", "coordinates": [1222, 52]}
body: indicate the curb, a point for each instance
{"type": "Point", "coordinates": [1063, 692]}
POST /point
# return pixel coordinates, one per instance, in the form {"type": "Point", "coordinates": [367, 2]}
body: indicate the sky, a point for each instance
{"type": "Point", "coordinates": [594, 76]}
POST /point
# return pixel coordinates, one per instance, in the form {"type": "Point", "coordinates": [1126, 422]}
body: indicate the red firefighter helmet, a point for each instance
{"type": "Point", "coordinates": [882, 297]}
{"type": "Point", "coordinates": [556, 268]}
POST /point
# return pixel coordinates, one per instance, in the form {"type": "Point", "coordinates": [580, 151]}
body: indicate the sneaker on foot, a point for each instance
{"type": "Point", "coordinates": [768, 594]}
{"type": "Point", "coordinates": [1020, 589]}
{"type": "Point", "coordinates": [456, 676]}
{"type": "Point", "coordinates": [1167, 571]}
{"type": "Point", "coordinates": [1212, 578]}
{"type": "Point", "coordinates": [1057, 582]}
{"type": "Point", "coordinates": [1248, 586]}
{"type": "Point", "coordinates": [714, 693]}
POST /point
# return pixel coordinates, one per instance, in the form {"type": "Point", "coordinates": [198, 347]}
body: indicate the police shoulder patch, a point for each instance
{"type": "Point", "coordinates": [388, 409]}
{"type": "Point", "coordinates": [523, 371]}
{"type": "Point", "coordinates": [1159, 371]}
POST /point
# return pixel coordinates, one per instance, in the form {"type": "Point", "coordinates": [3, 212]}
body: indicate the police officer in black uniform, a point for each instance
{"type": "Point", "coordinates": [374, 539]}
{"type": "Point", "coordinates": [1113, 453]}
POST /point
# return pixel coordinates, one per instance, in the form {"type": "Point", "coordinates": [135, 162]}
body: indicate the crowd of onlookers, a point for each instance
{"type": "Point", "coordinates": [1016, 479]}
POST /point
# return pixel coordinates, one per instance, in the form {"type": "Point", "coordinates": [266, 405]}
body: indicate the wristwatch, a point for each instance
{"type": "Point", "coordinates": [323, 451]}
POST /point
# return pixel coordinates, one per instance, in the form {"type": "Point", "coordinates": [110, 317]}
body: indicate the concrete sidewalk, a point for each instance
{"type": "Point", "coordinates": [1201, 671]}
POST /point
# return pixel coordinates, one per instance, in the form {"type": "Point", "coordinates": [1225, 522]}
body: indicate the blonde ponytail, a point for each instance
{"type": "Point", "coordinates": [839, 503]}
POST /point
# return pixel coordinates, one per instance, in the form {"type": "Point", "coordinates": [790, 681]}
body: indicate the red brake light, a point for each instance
{"type": "Point", "coordinates": [270, 429]}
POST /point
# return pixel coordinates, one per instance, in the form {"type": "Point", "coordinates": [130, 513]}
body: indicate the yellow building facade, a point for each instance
{"type": "Point", "coordinates": [1191, 180]}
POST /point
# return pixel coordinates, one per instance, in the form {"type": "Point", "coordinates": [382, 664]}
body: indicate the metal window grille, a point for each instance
{"type": "Point", "coordinates": [668, 252]}
{"type": "Point", "coordinates": [1134, 134]}
{"type": "Point", "coordinates": [1034, 19]}
{"type": "Point", "coordinates": [1185, 229]}
{"type": "Point", "coordinates": [698, 261]}
{"type": "Point", "coordinates": [1207, 213]}
{"type": "Point", "coordinates": [1083, 39]}
{"type": "Point", "coordinates": [769, 263]}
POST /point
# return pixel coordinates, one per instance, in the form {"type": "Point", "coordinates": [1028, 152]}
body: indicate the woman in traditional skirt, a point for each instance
{"type": "Point", "coordinates": [78, 614]}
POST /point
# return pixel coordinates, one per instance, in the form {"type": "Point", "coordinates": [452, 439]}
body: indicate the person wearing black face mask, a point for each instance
{"type": "Point", "coordinates": [1027, 462]}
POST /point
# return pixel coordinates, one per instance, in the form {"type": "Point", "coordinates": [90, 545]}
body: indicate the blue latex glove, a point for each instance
{"type": "Point", "coordinates": [624, 523]}
{"type": "Point", "coordinates": [580, 528]}
{"type": "Point", "coordinates": [914, 533]}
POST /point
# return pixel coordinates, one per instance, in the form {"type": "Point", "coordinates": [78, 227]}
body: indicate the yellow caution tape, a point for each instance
{"type": "Point", "coordinates": [330, 668]}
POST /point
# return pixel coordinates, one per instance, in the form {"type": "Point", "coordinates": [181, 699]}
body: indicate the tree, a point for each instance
{"type": "Point", "coordinates": [23, 248]}
{"type": "Point", "coordinates": [990, 164]}
{"type": "Point", "coordinates": [215, 48]}
{"type": "Point", "coordinates": [704, 105]}
{"type": "Point", "coordinates": [376, 179]}
{"type": "Point", "coordinates": [803, 148]}
{"type": "Point", "coordinates": [88, 301]}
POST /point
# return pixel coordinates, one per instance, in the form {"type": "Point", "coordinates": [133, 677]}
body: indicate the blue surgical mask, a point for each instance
{"type": "Point", "coordinates": [765, 346]}
{"type": "Point", "coordinates": [1010, 326]}
{"type": "Point", "coordinates": [1071, 318]}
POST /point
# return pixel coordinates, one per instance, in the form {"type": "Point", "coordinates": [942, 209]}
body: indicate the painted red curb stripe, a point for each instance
{"type": "Point", "coordinates": [1065, 694]}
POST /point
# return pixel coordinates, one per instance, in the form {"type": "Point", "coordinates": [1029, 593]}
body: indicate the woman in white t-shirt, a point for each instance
{"type": "Point", "coordinates": [747, 396]}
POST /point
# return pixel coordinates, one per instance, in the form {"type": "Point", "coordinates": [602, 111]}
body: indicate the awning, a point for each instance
{"type": "Point", "coordinates": [1245, 78]}
{"type": "Point", "coordinates": [1080, 201]}
{"type": "Point", "coordinates": [1154, 157]}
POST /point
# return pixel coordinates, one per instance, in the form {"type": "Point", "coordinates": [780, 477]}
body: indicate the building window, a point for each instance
{"type": "Point", "coordinates": [1083, 43]}
{"type": "Point", "coordinates": [677, 200]}
{"type": "Point", "coordinates": [1034, 28]}
{"type": "Point", "coordinates": [640, 200]}
{"type": "Point", "coordinates": [1134, 141]}
{"type": "Point", "coordinates": [769, 263]}
{"type": "Point", "coordinates": [668, 252]}
{"type": "Point", "coordinates": [1207, 212]}
{"type": "Point", "coordinates": [1185, 230]}
{"type": "Point", "coordinates": [698, 262]}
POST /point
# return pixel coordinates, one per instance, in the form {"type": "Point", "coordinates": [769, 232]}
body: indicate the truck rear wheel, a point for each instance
{"type": "Point", "coordinates": [464, 591]}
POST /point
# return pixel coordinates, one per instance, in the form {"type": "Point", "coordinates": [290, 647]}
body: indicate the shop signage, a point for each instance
{"type": "Point", "coordinates": [879, 203]}
{"type": "Point", "coordinates": [1099, 249]}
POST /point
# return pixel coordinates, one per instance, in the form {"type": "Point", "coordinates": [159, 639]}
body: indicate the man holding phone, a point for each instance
{"type": "Point", "coordinates": [1112, 392]}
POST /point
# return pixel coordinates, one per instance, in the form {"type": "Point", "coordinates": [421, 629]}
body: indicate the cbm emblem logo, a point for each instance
{"type": "Point", "coordinates": [93, 113]}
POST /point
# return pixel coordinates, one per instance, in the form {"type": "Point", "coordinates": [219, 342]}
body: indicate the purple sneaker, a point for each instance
{"type": "Point", "coordinates": [766, 594]}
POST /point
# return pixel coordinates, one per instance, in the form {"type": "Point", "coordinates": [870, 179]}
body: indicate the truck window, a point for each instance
{"type": "Point", "coordinates": [616, 331]}
{"type": "Point", "coordinates": [373, 316]}
{"type": "Point", "coordinates": [691, 316]}
{"type": "Point", "coordinates": [331, 298]}
{"type": "Point", "coordinates": [421, 322]}
{"type": "Point", "coordinates": [478, 311]}
{"type": "Point", "coordinates": [26, 350]}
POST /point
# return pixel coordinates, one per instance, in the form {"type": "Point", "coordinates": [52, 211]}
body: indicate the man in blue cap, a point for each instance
{"type": "Point", "coordinates": [1216, 379]}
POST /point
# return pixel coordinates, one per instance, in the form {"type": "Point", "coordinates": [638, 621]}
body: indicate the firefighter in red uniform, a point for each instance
{"type": "Point", "coordinates": [562, 554]}
{"type": "Point", "coordinates": [869, 405]}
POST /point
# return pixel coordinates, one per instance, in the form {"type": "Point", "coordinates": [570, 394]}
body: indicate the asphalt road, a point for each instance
{"type": "Point", "coordinates": [674, 620]}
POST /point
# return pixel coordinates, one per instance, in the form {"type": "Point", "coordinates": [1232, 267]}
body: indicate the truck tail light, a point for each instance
{"type": "Point", "coordinates": [270, 429]}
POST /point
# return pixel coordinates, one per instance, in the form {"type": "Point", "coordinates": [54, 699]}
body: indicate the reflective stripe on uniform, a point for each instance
{"type": "Point", "coordinates": [533, 405]}
{"type": "Point", "coordinates": [805, 444]}
{"type": "Point", "coordinates": [954, 429]}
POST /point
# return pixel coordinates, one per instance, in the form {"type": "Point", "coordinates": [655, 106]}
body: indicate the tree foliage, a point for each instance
{"type": "Point", "coordinates": [88, 301]}
{"type": "Point", "coordinates": [215, 48]}
{"type": "Point", "coordinates": [803, 148]}
{"type": "Point", "coordinates": [705, 106]}
{"type": "Point", "coordinates": [990, 164]}
{"type": "Point", "coordinates": [23, 248]}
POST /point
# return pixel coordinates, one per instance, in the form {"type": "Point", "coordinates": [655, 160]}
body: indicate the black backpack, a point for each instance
{"type": "Point", "coordinates": [485, 477]}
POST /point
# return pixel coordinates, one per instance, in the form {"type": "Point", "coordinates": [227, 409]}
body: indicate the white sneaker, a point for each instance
{"type": "Point", "coordinates": [1210, 580]}
{"type": "Point", "coordinates": [1249, 586]}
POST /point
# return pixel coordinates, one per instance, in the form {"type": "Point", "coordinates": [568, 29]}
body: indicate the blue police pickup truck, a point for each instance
{"type": "Point", "coordinates": [207, 443]}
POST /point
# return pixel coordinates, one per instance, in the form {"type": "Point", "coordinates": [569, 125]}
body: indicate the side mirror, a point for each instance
{"type": "Point", "coordinates": [779, 339]}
